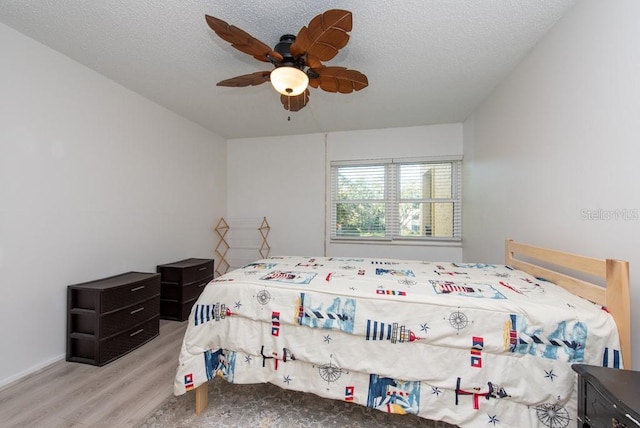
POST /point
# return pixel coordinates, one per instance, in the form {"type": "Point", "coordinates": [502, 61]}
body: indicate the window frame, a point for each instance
{"type": "Point", "coordinates": [392, 200]}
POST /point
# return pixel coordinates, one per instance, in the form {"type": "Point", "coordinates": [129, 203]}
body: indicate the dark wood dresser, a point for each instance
{"type": "Point", "coordinates": [110, 317]}
{"type": "Point", "coordinates": [607, 397]}
{"type": "Point", "coordinates": [181, 284]}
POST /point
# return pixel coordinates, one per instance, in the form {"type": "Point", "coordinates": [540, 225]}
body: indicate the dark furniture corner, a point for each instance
{"type": "Point", "coordinates": [607, 397]}
{"type": "Point", "coordinates": [109, 317]}
{"type": "Point", "coordinates": [181, 284]}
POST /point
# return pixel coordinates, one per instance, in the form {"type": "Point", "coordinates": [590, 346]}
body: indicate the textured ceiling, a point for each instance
{"type": "Point", "coordinates": [428, 61]}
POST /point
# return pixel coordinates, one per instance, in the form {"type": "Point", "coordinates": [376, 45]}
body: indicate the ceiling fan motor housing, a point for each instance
{"type": "Point", "coordinates": [284, 48]}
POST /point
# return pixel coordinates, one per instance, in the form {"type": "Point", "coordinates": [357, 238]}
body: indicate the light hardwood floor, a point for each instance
{"type": "Point", "coordinates": [119, 394]}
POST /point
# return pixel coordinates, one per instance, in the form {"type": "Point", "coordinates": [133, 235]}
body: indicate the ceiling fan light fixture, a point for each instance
{"type": "Point", "coordinates": [289, 81]}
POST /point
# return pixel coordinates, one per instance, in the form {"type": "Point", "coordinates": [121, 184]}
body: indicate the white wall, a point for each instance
{"type": "Point", "coordinates": [286, 180]}
{"type": "Point", "coordinates": [282, 179]}
{"type": "Point", "coordinates": [94, 181]}
{"type": "Point", "coordinates": [551, 158]}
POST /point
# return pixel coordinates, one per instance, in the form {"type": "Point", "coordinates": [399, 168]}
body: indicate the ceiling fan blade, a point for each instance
{"type": "Point", "coordinates": [242, 40]}
{"type": "Point", "coordinates": [296, 102]}
{"type": "Point", "coordinates": [325, 35]}
{"type": "Point", "coordinates": [252, 79]}
{"type": "Point", "coordinates": [313, 62]}
{"type": "Point", "coordinates": [338, 79]}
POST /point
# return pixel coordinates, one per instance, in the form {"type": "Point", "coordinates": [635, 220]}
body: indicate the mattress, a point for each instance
{"type": "Point", "coordinates": [469, 344]}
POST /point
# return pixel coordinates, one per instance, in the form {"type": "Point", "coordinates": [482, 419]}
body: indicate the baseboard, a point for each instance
{"type": "Point", "coordinates": [17, 377]}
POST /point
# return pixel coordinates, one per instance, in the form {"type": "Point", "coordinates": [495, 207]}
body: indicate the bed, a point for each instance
{"type": "Point", "coordinates": [465, 343]}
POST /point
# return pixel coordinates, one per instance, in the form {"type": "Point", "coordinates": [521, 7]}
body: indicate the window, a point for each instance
{"type": "Point", "coordinates": [396, 199]}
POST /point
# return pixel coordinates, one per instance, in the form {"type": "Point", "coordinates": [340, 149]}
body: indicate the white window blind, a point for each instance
{"type": "Point", "coordinates": [396, 200]}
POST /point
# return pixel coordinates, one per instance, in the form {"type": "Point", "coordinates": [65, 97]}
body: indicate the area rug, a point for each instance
{"type": "Point", "coordinates": [265, 406]}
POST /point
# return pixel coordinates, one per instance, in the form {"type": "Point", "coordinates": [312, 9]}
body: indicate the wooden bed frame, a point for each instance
{"type": "Point", "coordinates": [614, 295]}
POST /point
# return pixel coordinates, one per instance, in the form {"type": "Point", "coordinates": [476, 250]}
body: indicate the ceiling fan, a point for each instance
{"type": "Point", "coordinates": [297, 59]}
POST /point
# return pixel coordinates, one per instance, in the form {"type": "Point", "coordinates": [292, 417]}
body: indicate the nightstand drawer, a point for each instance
{"type": "Point", "coordinates": [131, 293]}
{"type": "Point", "coordinates": [109, 294]}
{"type": "Point", "coordinates": [85, 349]}
{"type": "Point", "coordinates": [608, 397]}
{"type": "Point", "coordinates": [600, 412]}
{"type": "Point", "coordinates": [175, 310]}
{"type": "Point", "coordinates": [83, 321]}
{"type": "Point", "coordinates": [176, 291]}
{"type": "Point", "coordinates": [186, 271]}
{"type": "Point", "coordinates": [130, 340]}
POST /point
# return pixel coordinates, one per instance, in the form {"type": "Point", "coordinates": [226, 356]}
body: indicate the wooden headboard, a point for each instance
{"type": "Point", "coordinates": [614, 296]}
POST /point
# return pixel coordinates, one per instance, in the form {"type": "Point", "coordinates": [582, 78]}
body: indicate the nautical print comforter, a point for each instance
{"type": "Point", "coordinates": [471, 344]}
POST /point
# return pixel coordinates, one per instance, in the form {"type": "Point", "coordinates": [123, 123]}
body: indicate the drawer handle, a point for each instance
{"type": "Point", "coordinates": [630, 417]}
{"type": "Point", "coordinates": [202, 285]}
{"type": "Point", "coordinates": [135, 333]}
{"type": "Point", "coordinates": [137, 288]}
{"type": "Point", "coordinates": [203, 268]}
{"type": "Point", "coordinates": [137, 310]}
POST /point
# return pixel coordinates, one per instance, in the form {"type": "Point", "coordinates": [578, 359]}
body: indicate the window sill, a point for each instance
{"type": "Point", "coordinates": [406, 243]}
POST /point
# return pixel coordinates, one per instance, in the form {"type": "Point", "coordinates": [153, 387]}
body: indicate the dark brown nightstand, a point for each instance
{"type": "Point", "coordinates": [110, 317]}
{"type": "Point", "coordinates": [607, 397]}
{"type": "Point", "coordinates": [181, 284]}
